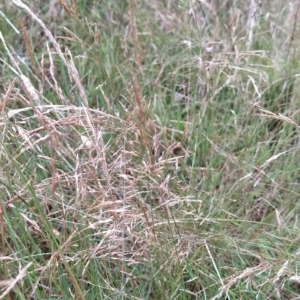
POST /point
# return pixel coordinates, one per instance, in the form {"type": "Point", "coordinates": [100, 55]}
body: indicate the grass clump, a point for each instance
{"type": "Point", "coordinates": [149, 150]}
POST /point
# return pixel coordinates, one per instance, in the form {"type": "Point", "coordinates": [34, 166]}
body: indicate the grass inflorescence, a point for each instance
{"type": "Point", "coordinates": [149, 150]}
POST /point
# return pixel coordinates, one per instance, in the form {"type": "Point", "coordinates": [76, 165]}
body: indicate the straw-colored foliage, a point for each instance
{"type": "Point", "coordinates": [149, 149]}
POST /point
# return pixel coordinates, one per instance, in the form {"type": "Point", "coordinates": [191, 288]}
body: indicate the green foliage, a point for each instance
{"type": "Point", "coordinates": [161, 161]}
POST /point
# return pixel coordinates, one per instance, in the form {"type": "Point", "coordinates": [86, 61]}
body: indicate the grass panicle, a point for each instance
{"type": "Point", "coordinates": [149, 150]}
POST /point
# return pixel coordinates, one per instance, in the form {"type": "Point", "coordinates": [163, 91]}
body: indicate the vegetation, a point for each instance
{"type": "Point", "coordinates": [149, 149]}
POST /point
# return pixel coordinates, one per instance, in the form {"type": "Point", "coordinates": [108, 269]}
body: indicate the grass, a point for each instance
{"type": "Point", "coordinates": [149, 150]}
